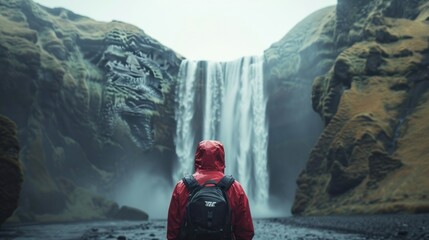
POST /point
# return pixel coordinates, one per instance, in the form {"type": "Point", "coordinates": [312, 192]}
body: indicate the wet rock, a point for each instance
{"type": "Point", "coordinates": [130, 213]}
{"type": "Point", "coordinates": [10, 169]}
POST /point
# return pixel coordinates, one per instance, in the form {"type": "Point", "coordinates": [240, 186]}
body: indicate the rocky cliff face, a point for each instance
{"type": "Point", "coordinates": [10, 169]}
{"type": "Point", "coordinates": [91, 100]}
{"type": "Point", "coordinates": [372, 154]}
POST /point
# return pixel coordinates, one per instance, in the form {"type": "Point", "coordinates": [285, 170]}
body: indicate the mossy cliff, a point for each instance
{"type": "Point", "coordinates": [92, 100]}
{"type": "Point", "coordinates": [372, 154]}
{"type": "Point", "coordinates": [10, 169]}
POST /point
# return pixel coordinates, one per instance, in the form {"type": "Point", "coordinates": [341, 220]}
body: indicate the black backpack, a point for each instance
{"type": "Point", "coordinates": [208, 213]}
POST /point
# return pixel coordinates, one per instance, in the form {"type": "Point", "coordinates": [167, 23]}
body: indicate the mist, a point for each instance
{"type": "Point", "coordinates": [291, 142]}
{"type": "Point", "coordinates": [146, 191]}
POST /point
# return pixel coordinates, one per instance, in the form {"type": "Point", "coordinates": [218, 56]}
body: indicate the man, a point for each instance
{"type": "Point", "coordinates": [210, 165]}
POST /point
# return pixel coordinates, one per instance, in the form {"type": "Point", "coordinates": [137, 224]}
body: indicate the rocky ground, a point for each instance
{"type": "Point", "coordinates": [312, 228]}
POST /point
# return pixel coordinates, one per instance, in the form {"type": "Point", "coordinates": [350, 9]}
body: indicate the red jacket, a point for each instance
{"type": "Point", "coordinates": [210, 164]}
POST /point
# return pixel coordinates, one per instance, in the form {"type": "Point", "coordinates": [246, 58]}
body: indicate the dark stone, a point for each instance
{"type": "Point", "coordinates": [10, 169]}
{"type": "Point", "coordinates": [403, 53]}
{"type": "Point", "coordinates": [418, 74]}
{"type": "Point", "coordinates": [338, 154]}
{"type": "Point", "coordinates": [130, 213]}
{"type": "Point", "coordinates": [121, 238]}
{"type": "Point", "coordinates": [402, 233]}
{"type": "Point", "coordinates": [374, 61]}
{"type": "Point", "coordinates": [384, 36]}
{"type": "Point", "coordinates": [342, 72]}
{"type": "Point", "coordinates": [380, 165]}
{"type": "Point", "coordinates": [343, 179]}
{"type": "Point", "coordinates": [400, 87]}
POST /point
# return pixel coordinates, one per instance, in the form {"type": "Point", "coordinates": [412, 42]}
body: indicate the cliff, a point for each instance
{"type": "Point", "coordinates": [10, 169]}
{"type": "Point", "coordinates": [92, 101]}
{"type": "Point", "coordinates": [372, 154]}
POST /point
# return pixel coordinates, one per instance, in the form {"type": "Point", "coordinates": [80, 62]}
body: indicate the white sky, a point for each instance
{"type": "Point", "coordinates": [203, 29]}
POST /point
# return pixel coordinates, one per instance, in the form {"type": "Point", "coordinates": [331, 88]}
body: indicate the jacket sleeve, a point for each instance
{"type": "Point", "coordinates": [176, 212]}
{"type": "Point", "coordinates": [243, 224]}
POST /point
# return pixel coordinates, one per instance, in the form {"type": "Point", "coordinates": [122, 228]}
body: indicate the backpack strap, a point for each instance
{"type": "Point", "coordinates": [226, 182]}
{"type": "Point", "coordinates": [191, 183]}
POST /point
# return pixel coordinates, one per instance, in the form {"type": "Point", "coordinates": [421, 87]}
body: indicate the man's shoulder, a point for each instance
{"type": "Point", "coordinates": [237, 185]}
{"type": "Point", "coordinates": [180, 182]}
{"type": "Point", "coordinates": [180, 187]}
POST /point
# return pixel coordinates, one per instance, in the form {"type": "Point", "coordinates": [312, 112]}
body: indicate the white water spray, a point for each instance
{"type": "Point", "coordinates": [234, 112]}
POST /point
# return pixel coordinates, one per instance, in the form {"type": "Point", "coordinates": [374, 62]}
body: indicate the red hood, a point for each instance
{"type": "Point", "coordinates": [210, 156]}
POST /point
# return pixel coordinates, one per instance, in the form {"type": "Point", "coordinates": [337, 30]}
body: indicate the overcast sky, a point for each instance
{"type": "Point", "coordinates": [203, 29]}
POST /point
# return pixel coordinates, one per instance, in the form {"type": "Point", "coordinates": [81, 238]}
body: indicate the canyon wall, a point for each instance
{"type": "Point", "coordinates": [91, 101]}
{"type": "Point", "coordinates": [372, 154]}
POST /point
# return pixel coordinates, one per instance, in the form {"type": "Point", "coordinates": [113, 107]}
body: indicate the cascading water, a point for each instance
{"type": "Point", "coordinates": [226, 102]}
{"type": "Point", "coordinates": [185, 98]}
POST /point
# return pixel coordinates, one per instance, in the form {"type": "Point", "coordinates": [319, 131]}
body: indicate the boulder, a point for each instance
{"type": "Point", "coordinates": [130, 213]}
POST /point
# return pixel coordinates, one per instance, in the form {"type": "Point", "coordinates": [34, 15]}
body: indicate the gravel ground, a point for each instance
{"type": "Point", "coordinates": [389, 226]}
{"type": "Point", "coordinates": [299, 228]}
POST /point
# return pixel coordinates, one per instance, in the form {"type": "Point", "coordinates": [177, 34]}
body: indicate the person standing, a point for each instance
{"type": "Point", "coordinates": [200, 194]}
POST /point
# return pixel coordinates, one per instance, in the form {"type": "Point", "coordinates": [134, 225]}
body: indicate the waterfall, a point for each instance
{"type": "Point", "coordinates": [185, 98]}
{"type": "Point", "coordinates": [225, 101]}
